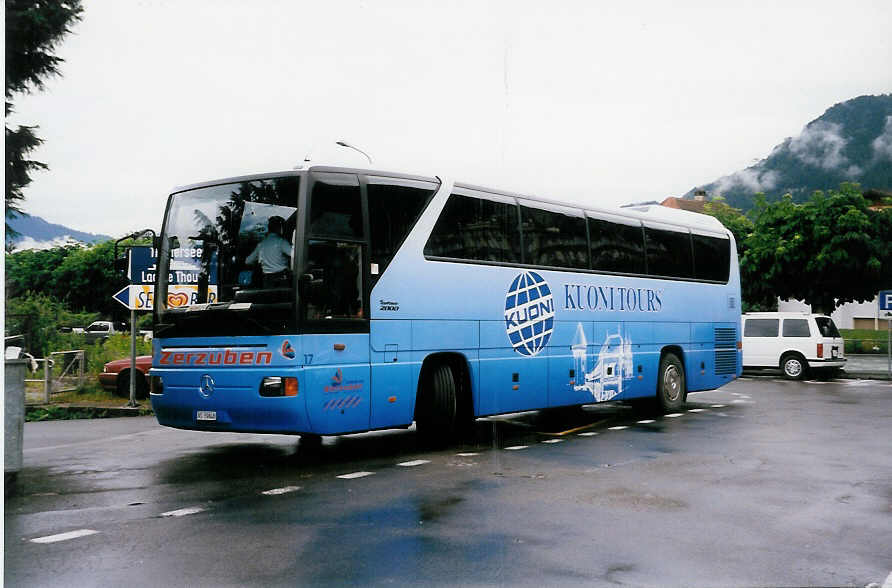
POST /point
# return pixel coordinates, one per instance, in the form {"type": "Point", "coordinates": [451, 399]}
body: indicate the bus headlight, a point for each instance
{"type": "Point", "coordinates": [277, 386]}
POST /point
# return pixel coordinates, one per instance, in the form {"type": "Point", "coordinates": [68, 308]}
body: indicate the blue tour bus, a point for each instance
{"type": "Point", "coordinates": [330, 300]}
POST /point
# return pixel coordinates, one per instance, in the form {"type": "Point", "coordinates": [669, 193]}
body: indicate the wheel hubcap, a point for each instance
{"type": "Point", "coordinates": [671, 383]}
{"type": "Point", "coordinates": [793, 367]}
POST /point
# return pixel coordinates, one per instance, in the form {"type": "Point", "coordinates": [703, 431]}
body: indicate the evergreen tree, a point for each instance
{"type": "Point", "coordinates": [34, 28]}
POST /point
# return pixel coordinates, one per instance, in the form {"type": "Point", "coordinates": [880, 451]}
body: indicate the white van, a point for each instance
{"type": "Point", "coordinates": [794, 342]}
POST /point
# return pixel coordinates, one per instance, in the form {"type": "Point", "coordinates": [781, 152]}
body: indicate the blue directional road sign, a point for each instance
{"type": "Point", "coordinates": [886, 300]}
{"type": "Point", "coordinates": [142, 265]}
{"type": "Point", "coordinates": [135, 296]}
{"type": "Point", "coordinates": [123, 296]}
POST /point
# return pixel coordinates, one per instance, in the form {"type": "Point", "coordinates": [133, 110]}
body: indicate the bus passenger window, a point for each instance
{"type": "Point", "coordinates": [554, 237]}
{"type": "Point", "coordinates": [481, 228]}
{"type": "Point", "coordinates": [712, 257]}
{"type": "Point", "coordinates": [616, 247]}
{"type": "Point", "coordinates": [335, 207]}
{"type": "Point", "coordinates": [394, 207]}
{"type": "Point", "coordinates": [668, 253]}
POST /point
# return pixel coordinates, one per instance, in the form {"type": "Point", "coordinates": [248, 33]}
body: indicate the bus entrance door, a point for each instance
{"type": "Point", "coordinates": [336, 371]}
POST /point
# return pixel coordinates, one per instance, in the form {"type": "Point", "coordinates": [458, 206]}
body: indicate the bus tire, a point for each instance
{"type": "Point", "coordinates": [309, 442]}
{"type": "Point", "coordinates": [438, 415]}
{"type": "Point", "coordinates": [671, 391]}
{"type": "Point", "coordinates": [794, 366]}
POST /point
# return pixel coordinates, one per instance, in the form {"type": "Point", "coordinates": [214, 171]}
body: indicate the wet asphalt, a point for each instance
{"type": "Point", "coordinates": [762, 483]}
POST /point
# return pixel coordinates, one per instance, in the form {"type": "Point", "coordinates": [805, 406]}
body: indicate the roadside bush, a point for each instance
{"type": "Point", "coordinates": [116, 347]}
{"type": "Point", "coordinates": [867, 346]}
{"type": "Point", "coordinates": [38, 317]}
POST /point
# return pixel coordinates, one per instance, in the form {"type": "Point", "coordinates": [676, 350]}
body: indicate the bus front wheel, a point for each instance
{"type": "Point", "coordinates": [671, 390]}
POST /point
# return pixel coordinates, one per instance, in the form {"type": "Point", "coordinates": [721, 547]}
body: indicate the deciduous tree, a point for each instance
{"type": "Point", "coordinates": [826, 251]}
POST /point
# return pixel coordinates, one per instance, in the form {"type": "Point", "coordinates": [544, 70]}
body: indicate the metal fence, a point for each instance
{"type": "Point", "coordinates": [62, 371]}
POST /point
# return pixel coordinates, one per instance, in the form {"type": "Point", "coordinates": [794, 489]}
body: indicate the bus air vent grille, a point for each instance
{"type": "Point", "coordinates": [725, 351]}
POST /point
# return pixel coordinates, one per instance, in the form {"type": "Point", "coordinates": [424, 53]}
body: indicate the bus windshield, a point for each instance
{"type": "Point", "coordinates": [229, 248]}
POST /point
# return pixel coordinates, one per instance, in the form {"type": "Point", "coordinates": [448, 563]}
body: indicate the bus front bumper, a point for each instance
{"type": "Point", "coordinates": [232, 406]}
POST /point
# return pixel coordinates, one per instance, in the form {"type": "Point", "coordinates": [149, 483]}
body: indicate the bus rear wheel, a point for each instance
{"type": "Point", "coordinates": [438, 416]}
{"type": "Point", "coordinates": [671, 391]}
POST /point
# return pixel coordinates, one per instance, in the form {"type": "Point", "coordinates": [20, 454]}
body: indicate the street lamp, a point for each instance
{"type": "Point", "coordinates": [355, 148]}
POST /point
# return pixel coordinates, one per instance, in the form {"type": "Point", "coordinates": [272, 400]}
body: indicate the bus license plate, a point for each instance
{"type": "Point", "coordinates": [206, 415]}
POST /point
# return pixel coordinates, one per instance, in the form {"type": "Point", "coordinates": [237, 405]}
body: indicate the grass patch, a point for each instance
{"type": "Point", "coordinates": [90, 392]}
{"type": "Point", "coordinates": [865, 341]}
{"type": "Point", "coordinates": [56, 413]}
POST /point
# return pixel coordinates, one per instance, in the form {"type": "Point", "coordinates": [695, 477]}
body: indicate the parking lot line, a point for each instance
{"type": "Point", "coordinates": [183, 512]}
{"type": "Point", "coordinates": [355, 475]}
{"type": "Point", "coordinates": [577, 429]}
{"type": "Point", "coordinates": [413, 463]}
{"type": "Point", "coordinates": [676, 414]}
{"type": "Point", "coordinates": [516, 447]}
{"type": "Point", "coordinates": [278, 491]}
{"type": "Point", "coordinates": [64, 536]}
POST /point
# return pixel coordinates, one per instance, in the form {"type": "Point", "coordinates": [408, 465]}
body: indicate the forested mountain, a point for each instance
{"type": "Point", "coordinates": [850, 142]}
{"type": "Point", "coordinates": [36, 233]}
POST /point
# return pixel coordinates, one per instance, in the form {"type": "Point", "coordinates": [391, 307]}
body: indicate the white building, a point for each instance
{"type": "Point", "coordinates": [852, 315]}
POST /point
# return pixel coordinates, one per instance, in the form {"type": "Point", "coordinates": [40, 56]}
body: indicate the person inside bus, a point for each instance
{"type": "Point", "coordinates": [273, 254]}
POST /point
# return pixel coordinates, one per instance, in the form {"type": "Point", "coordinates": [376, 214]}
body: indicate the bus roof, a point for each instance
{"type": "Point", "coordinates": [646, 213]}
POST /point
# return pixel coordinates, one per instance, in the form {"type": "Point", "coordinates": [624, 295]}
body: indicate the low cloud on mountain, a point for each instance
{"type": "Point", "coordinates": [850, 142]}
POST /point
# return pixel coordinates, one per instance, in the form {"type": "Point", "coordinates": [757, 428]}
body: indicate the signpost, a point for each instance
{"type": "Point", "coordinates": [138, 254]}
{"type": "Point", "coordinates": [886, 307]}
{"type": "Point", "coordinates": [190, 269]}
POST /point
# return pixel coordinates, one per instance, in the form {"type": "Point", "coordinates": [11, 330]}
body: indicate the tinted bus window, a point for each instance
{"type": "Point", "coordinates": [761, 328]}
{"type": "Point", "coordinates": [554, 238]}
{"type": "Point", "coordinates": [394, 207]}
{"type": "Point", "coordinates": [335, 206]}
{"type": "Point", "coordinates": [616, 247]}
{"type": "Point", "coordinates": [668, 253]}
{"type": "Point", "coordinates": [712, 257]}
{"type": "Point", "coordinates": [483, 228]}
{"type": "Point", "coordinates": [334, 290]}
{"type": "Point", "coordinates": [796, 328]}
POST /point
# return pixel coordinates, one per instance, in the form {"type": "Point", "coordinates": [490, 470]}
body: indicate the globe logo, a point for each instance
{"type": "Point", "coordinates": [529, 313]}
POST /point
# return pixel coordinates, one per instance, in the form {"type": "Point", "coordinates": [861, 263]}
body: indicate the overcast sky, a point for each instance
{"type": "Point", "coordinates": [598, 102]}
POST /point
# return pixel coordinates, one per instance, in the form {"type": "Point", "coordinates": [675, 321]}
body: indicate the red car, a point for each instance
{"type": "Point", "coordinates": [115, 376]}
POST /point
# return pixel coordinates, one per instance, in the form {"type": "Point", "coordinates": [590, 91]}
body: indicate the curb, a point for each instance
{"type": "Point", "coordinates": [841, 376]}
{"type": "Point", "coordinates": [86, 411]}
